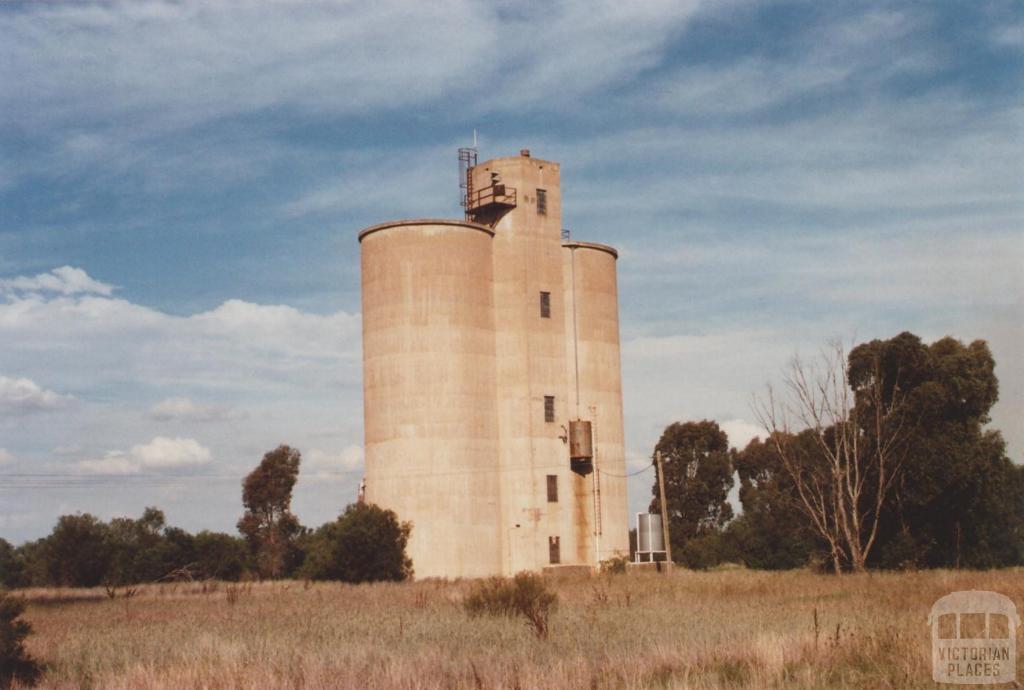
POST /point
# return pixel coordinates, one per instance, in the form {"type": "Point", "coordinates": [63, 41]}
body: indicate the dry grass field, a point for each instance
{"type": "Point", "coordinates": [726, 629]}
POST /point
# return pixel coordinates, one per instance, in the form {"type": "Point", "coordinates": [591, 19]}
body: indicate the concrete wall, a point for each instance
{"type": "Point", "coordinates": [458, 360]}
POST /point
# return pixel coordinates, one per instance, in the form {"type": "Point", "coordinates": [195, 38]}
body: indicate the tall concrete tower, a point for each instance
{"type": "Point", "coordinates": [492, 384]}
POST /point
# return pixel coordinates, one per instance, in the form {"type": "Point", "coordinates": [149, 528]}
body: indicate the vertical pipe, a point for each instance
{"type": "Point", "coordinates": [597, 487]}
{"type": "Point", "coordinates": [575, 330]}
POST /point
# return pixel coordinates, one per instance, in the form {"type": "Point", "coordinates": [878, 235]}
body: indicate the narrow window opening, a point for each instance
{"type": "Point", "coordinates": [549, 408]}
{"type": "Point", "coordinates": [552, 488]}
{"type": "Point", "coordinates": [545, 305]}
{"type": "Point", "coordinates": [554, 552]}
{"type": "Point", "coordinates": [542, 202]}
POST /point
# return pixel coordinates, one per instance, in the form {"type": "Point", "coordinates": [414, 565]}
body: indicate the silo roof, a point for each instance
{"type": "Point", "coordinates": [424, 221]}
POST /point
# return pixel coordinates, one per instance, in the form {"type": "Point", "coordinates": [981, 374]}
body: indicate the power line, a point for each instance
{"type": "Point", "coordinates": [100, 480]}
{"type": "Point", "coordinates": [631, 474]}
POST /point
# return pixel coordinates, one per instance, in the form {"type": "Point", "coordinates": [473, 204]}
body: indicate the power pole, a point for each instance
{"type": "Point", "coordinates": [664, 507]}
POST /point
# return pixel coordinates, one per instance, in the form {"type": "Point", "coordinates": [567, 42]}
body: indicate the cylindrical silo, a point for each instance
{"type": "Point", "coordinates": [429, 390]}
{"type": "Point", "coordinates": [595, 382]}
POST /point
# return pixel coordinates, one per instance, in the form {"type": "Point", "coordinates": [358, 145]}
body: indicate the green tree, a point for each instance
{"type": "Point", "coordinates": [861, 427]}
{"type": "Point", "coordinates": [268, 525]}
{"type": "Point", "coordinates": [698, 477]}
{"type": "Point", "coordinates": [365, 544]}
{"type": "Point", "coordinates": [894, 466]}
{"type": "Point", "coordinates": [220, 556]}
{"type": "Point", "coordinates": [78, 551]}
{"type": "Point", "coordinates": [958, 502]}
{"type": "Point", "coordinates": [12, 569]}
{"type": "Point", "coordinates": [135, 546]}
{"type": "Point", "coordinates": [772, 532]}
{"type": "Point", "coordinates": [15, 663]}
{"type": "Point", "coordinates": [34, 561]}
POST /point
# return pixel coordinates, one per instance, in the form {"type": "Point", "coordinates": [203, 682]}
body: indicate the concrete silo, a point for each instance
{"type": "Point", "coordinates": [492, 382]}
{"type": "Point", "coordinates": [428, 389]}
{"type": "Point", "coordinates": [595, 379]}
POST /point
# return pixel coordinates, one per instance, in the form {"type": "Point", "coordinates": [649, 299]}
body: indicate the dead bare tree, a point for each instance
{"type": "Point", "coordinates": [858, 440]}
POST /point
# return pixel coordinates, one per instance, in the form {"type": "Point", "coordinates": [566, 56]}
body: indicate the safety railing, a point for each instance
{"type": "Point", "coordinates": [495, 195]}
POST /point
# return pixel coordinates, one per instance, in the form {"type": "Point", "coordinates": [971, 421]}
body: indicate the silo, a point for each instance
{"type": "Point", "coordinates": [595, 383]}
{"type": "Point", "coordinates": [429, 390]}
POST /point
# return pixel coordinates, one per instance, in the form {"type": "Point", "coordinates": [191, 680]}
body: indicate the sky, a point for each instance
{"type": "Point", "coordinates": [182, 184]}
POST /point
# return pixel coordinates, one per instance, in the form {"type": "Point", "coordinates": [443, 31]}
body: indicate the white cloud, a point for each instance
{"type": "Point", "coordinates": [170, 452]}
{"type": "Point", "coordinates": [159, 454]}
{"type": "Point", "coordinates": [277, 328]}
{"type": "Point", "coordinates": [6, 456]}
{"type": "Point", "coordinates": [238, 346]}
{"type": "Point", "coordinates": [866, 47]}
{"type": "Point", "coordinates": [553, 54]}
{"type": "Point", "coordinates": [156, 69]}
{"type": "Point", "coordinates": [742, 87]}
{"type": "Point", "coordinates": [186, 409]}
{"type": "Point", "coordinates": [23, 395]}
{"type": "Point", "coordinates": [206, 60]}
{"type": "Point", "coordinates": [954, 269]}
{"type": "Point", "coordinates": [936, 156]}
{"type": "Point", "coordinates": [65, 280]}
{"type": "Point", "coordinates": [325, 464]}
{"type": "Point", "coordinates": [114, 462]}
{"type": "Point", "coordinates": [741, 432]}
{"type": "Point", "coordinates": [367, 181]}
{"type": "Point", "coordinates": [150, 375]}
{"type": "Point", "coordinates": [1012, 35]}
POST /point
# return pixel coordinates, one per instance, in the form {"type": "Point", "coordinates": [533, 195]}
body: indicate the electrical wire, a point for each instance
{"type": "Point", "coordinates": [39, 480]}
{"type": "Point", "coordinates": [631, 474]}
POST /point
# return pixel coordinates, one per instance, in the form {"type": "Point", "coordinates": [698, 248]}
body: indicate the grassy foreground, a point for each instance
{"type": "Point", "coordinates": [727, 629]}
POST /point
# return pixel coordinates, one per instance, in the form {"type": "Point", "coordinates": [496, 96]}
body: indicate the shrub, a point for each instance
{"type": "Point", "coordinates": [220, 556]}
{"type": "Point", "coordinates": [616, 565]}
{"type": "Point", "coordinates": [366, 544]}
{"type": "Point", "coordinates": [524, 595]}
{"type": "Point", "coordinates": [15, 663]}
{"type": "Point", "coordinates": [705, 551]}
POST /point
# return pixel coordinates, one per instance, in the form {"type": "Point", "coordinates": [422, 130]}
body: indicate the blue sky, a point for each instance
{"type": "Point", "coordinates": [181, 185]}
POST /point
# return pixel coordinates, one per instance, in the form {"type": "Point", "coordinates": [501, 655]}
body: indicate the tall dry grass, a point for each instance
{"type": "Point", "coordinates": [729, 629]}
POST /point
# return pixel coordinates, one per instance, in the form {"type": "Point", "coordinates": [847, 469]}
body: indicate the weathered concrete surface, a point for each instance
{"type": "Point", "coordinates": [428, 368]}
{"type": "Point", "coordinates": [591, 290]}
